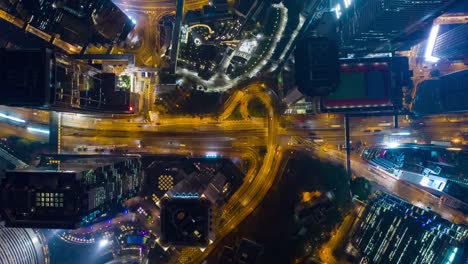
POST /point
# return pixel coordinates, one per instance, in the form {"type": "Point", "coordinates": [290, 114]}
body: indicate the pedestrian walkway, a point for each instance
{"type": "Point", "coordinates": [19, 164]}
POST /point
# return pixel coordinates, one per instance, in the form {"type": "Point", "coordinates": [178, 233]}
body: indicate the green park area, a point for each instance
{"type": "Point", "coordinates": [257, 108]}
{"type": "Point", "coordinates": [235, 115]}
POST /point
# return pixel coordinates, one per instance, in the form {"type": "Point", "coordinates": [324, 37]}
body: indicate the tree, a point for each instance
{"type": "Point", "coordinates": [257, 108]}
{"type": "Point", "coordinates": [361, 187]}
{"type": "Point", "coordinates": [236, 114]}
{"type": "Point", "coordinates": [26, 149]}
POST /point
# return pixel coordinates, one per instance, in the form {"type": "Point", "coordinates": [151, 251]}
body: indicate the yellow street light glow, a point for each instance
{"type": "Point", "coordinates": [454, 149]}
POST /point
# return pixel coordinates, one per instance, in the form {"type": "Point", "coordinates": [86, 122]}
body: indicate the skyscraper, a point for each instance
{"type": "Point", "coordinates": [185, 221]}
{"type": "Point", "coordinates": [372, 24]}
{"type": "Point", "coordinates": [452, 44]}
{"type": "Point", "coordinates": [75, 21]}
{"type": "Point", "coordinates": [69, 193]}
{"type": "Point", "coordinates": [447, 94]}
{"type": "Point", "coordinates": [41, 78]}
{"type": "Point", "coordinates": [394, 231]}
{"type": "Point", "coordinates": [22, 245]}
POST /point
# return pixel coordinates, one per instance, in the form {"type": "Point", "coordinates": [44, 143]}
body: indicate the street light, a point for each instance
{"type": "Point", "coordinates": [393, 144]}
{"type": "Point", "coordinates": [103, 242]}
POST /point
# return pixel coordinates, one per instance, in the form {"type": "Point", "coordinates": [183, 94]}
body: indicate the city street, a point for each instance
{"type": "Point", "coordinates": [385, 182]}
{"type": "Point", "coordinates": [200, 131]}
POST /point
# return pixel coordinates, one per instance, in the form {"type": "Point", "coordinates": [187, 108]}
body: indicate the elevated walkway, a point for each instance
{"type": "Point", "coordinates": [6, 155]}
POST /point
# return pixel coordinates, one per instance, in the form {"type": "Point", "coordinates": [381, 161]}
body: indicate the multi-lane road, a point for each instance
{"type": "Point", "coordinates": [147, 14]}
{"type": "Point", "coordinates": [386, 182]}
{"type": "Point", "coordinates": [155, 5]}
{"type": "Point", "coordinates": [185, 135]}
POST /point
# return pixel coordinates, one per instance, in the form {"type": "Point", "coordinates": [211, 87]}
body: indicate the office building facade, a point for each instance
{"type": "Point", "coordinates": [394, 231]}
{"type": "Point", "coordinates": [45, 79]}
{"type": "Point", "coordinates": [22, 245]}
{"type": "Point", "coordinates": [452, 44]}
{"type": "Point", "coordinates": [79, 22]}
{"type": "Point", "coordinates": [382, 24]}
{"type": "Point", "coordinates": [67, 194]}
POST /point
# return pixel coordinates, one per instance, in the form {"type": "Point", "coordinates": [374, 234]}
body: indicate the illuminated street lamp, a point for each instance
{"type": "Point", "coordinates": [103, 242]}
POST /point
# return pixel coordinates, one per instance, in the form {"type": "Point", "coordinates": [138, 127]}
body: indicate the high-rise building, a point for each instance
{"type": "Point", "coordinates": [317, 66]}
{"type": "Point", "coordinates": [41, 78]}
{"type": "Point", "coordinates": [447, 94]}
{"type": "Point", "coordinates": [22, 245]}
{"type": "Point", "coordinates": [68, 193]}
{"type": "Point", "coordinates": [75, 21]}
{"type": "Point", "coordinates": [316, 58]}
{"type": "Point", "coordinates": [185, 221]}
{"type": "Point", "coordinates": [394, 231]}
{"type": "Point", "coordinates": [452, 44]}
{"type": "Point", "coordinates": [372, 24]}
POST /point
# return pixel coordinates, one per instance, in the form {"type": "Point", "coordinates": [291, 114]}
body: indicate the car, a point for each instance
{"type": "Point", "coordinates": [377, 130]}
{"type": "Point", "coordinates": [367, 131]}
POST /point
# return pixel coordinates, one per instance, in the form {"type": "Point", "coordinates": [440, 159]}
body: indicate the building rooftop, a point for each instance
{"type": "Point", "coordinates": [185, 221]}
{"type": "Point", "coordinates": [394, 231]}
{"type": "Point", "coordinates": [248, 251]}
{"type": "Point", "coordinates": [21, 245]}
